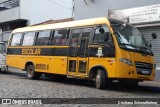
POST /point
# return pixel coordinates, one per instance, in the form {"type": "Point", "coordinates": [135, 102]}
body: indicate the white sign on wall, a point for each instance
{"type": "Point", "coordinates": [145, 14]}
{"type": "Point", "coordinates": [137, 15]}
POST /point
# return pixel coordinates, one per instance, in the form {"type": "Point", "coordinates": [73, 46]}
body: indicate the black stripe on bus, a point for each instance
{"type": "Point", "coordinates": [38, 51]}
{"type": "Point", "coordinates": [107, 52]}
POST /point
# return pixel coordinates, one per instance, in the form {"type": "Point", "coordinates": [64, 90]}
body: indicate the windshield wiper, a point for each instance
{"type": "Point", "coordinates": [142, 50]}
{"type": "Point", "coordinates": [128, 44]}
{"type": "Point", "coordinates": [136, 47]}
{"type": "Point", "coordinates": [144, 47]}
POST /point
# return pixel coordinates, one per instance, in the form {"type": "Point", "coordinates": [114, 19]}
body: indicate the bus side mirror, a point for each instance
{"type": "Point", "coordinates": [123, 26]}
{"type": "Point", "coordinates": [154, 35]}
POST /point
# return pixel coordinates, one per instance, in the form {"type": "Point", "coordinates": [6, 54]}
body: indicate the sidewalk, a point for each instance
{"type": "Point", "coordinates": [158, 66]}
{"type": "Point", "coordinates": [157, 77]}
{"type": "Point", "coordinates": [151, 86]}
{"type": "Point", "coordinates": [150, 83]}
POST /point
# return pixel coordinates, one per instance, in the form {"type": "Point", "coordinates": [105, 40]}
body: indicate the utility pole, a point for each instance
{"type": "Point", "coordinates": [73, 8]}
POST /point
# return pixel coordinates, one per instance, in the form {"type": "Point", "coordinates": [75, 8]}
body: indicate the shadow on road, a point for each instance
{"type": "Point", "coordinates": [19, 74]}
{"type": "Point", "coordinates": [111, 87]}
{"type": "Point", "coordinates": [149, 89]}
{"type": "Point", "coordinates": [86, 83]}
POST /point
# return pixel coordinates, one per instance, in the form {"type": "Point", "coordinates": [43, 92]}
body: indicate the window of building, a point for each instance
{"type": "Point", "coordinates": [28, 39]}
{"type": "Point", "coordinates": [60, 37]}
{"type": "Point", "coordinates": [43, 38]}
{"type": "Point", "coordinates": [16, 39]}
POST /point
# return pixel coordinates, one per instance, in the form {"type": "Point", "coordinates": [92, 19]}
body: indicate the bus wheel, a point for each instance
{"type": "Point", "coordinates": [100, 79]}
{"type": "Point", "coordinates": [31, 74]}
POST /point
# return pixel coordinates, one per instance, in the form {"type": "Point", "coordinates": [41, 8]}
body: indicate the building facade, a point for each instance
{"type": "Point", "coordinates": [21, 13]}
{"type": "Point", "coordinates": [100, 8]}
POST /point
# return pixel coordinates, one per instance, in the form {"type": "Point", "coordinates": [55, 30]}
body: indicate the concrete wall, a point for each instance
{"type": "Point", "coordinates": [100, 7]}
{"type": "Point", "coordinates": [9, 15]}
{"type": "Point", "coordinates": [37, 11]}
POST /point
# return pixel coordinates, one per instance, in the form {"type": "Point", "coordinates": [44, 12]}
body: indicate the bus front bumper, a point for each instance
{"type": "Point", "coordinates": [131, 72]}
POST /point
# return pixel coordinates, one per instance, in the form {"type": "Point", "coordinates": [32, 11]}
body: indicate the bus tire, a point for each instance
{"type": "Point", "coordinates": [100, 79]}
{"type": "Point", "coordinates": [31, 73]}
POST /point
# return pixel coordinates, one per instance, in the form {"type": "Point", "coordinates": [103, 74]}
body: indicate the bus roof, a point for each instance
{"type": "Point", "coordinates": [78, 23]}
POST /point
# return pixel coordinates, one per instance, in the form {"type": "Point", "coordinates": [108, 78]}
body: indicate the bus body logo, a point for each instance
{"type": "Point", "coordinates": [29, 51]}
{"type": "Point", "coordinates": [99, 52]}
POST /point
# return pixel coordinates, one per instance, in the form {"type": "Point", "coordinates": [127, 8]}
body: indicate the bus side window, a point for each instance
{"type": "Point", "coordinates": [74, 42]}
{"type": "Point", "coordinates": [28, 39]}
{"type": "Point", "coordinates": [99, 38]}
{"type": "Point", "coordinates": [83, 52]}
{"type": "Point", "coordinates": [16, 39]}
{"type": "Point", "coordinates": [43, 38]}
{"type": "Point", "coordinates": [60, 37]}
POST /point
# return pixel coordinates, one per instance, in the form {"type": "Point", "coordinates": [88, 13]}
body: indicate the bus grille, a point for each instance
{"type": "Point", "coordinates": [144, 68]}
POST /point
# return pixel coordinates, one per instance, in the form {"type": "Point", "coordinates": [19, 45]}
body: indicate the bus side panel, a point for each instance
{"type": "Point", "coordinates": [15, 61]}
{"type": "Point", "coordinates": [41, 63]}
{"type": "Point", "coordinates": [48, 64]}
{"type": "Point", "coordinates": [47, 60]}
{"type": "Point", "coordinates": [108, 63]}
{"type": "Point", "coordinates": [58, 65]}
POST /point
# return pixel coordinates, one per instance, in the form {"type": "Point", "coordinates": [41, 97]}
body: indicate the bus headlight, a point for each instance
{"type": "Point", "coordinates": [126, 61]}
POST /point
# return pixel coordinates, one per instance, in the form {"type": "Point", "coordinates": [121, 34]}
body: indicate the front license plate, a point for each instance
{"type": "Point", "coordinates": [146, 72]}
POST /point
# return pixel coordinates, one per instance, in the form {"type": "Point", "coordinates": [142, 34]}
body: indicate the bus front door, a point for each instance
{"type": "Point", "coordinates": [78, 52]}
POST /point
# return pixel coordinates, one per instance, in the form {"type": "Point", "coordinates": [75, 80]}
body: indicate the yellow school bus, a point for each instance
{"type": "Point", "coordinates": [98, 49]}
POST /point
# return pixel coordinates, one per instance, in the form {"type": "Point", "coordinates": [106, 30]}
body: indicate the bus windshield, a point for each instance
{"type": "Point", "coordinates": [129, 37]}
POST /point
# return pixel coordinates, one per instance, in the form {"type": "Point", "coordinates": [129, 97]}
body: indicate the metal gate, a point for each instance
{"type": "Point", "coordinates": [147, 32]}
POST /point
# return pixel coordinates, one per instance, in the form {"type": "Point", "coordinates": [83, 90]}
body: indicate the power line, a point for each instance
{"type": "Point", "coordinates": [59, 4]}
